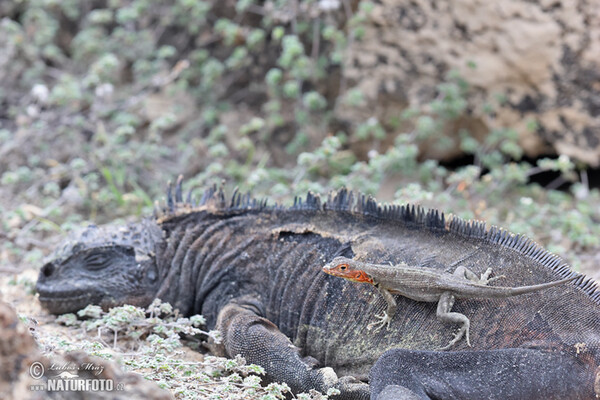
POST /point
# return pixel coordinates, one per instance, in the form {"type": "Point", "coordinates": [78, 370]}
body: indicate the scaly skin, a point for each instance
{"type": "Point", "coordinates": [255, 273]}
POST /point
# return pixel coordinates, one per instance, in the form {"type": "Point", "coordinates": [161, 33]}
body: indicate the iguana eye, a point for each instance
{"type": "Point", "coordinates": [95, 261]}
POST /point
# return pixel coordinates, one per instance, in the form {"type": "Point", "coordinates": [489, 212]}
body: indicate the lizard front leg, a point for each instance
{"type": "Point", "coordinates": [443, 313]}
{"type": "Point", "coordinates": [386, 316]}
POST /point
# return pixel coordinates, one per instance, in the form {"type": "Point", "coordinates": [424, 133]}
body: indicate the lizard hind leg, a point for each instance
{"type": "Point", "coordinates": [443, 313]}
{"type": "Point", "coordinates": [485, 277]}
{"type": "Point", "coordinates": [465, 272]}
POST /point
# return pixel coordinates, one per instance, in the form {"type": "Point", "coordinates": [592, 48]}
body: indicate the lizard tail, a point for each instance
{"type": "Point", "coordinates": [534, 288]}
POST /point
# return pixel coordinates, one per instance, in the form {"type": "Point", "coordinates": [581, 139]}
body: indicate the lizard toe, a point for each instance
{"type": "Point", "coordinates": [383, 320]}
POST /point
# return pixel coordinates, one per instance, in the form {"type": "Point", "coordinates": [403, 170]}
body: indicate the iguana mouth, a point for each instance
{"type": "Point", "coordinates": [61, 302]}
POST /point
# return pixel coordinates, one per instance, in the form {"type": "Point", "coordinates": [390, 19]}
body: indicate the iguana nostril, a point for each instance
{"type": "Point", "coordinates": [48, 270]}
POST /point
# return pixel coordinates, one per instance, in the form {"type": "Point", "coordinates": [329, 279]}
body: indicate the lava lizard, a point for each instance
{"type": "Point", "coordinates": [427, 285]}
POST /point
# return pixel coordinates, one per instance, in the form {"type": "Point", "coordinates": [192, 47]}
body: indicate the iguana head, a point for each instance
{"type": "Point", "coordinates": [347, 268]}
{"type": "Point", "coordinates": [108, 266]}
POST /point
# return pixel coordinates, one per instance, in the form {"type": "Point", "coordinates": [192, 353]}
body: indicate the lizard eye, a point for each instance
{"type": "Point", "coordinates": [343, 267]}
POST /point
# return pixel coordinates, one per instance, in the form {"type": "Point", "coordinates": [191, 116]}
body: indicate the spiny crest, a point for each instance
{"type": "Point", "coordinates": [312, 202]}
{"type": "Point", "coordinates": [213, 199]}
{"type": "Point", "coordinates": [359, 203]}
{"type": "Point", "coordinates": [344, 200]}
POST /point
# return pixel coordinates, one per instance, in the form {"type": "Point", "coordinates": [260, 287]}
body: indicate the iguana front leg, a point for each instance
{"type": "Point", "coordinates": [386, 316]}
{"type": "Point", "coordinates": [261, 342]}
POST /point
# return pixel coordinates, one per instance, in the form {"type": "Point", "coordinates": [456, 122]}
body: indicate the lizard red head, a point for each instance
{"type": "Point", "coordinates": [347, 268]}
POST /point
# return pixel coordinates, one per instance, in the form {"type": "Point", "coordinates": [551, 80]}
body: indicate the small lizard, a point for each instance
{"type": "Point", "coordinates": [428, 285]}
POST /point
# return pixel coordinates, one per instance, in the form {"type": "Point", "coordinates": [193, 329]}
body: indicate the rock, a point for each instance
{"type": "Point", "coordinates": [22, 361]}
{"type": "Point", "coordinates": [542, 58]}
{"type": "Point", "coordinates": [17, 352]}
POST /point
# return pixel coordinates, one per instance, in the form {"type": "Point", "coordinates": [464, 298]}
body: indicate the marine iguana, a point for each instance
{"type": "Point", "coordinates": [254, 272]}
{"type": "Point", "coordinates": [425, 284]}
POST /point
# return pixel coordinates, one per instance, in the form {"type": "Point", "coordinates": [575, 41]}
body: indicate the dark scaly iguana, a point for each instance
{"type": "Point", "coordinates": [254, 272]}
{"type": "Point", "coordinates": [429, 285]}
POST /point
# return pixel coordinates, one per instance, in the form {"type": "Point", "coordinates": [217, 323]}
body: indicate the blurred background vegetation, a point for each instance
{"type": "Point", "coordinates": [103, 102]}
